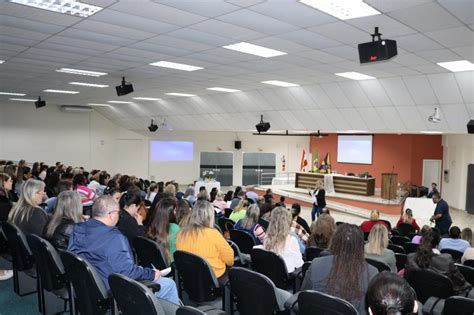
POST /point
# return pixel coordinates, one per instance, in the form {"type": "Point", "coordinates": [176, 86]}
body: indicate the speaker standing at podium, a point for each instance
{"type": "Point", "coordinates": [441, 215]}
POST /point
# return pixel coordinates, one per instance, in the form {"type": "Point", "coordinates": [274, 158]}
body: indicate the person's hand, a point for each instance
{"type": "Point", "coordinates": [139, 219]}
{"type": "Point", "coordinates": [157, 274]}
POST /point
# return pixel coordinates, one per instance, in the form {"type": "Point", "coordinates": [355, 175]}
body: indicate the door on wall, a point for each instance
{"type": "Point", "coordinates": [431, 173]}
{"type": "Point", "coordinates": [258, 168]}
{"type": "Point", "coordinates": [221, 163]}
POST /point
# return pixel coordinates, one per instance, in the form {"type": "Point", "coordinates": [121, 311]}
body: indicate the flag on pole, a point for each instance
{"type": "Point", "coordinates": [315, 161]}
{"type": "Point", "coordinates": [304, 161]}
{"type": "Point", "coordinates": [325, 167]}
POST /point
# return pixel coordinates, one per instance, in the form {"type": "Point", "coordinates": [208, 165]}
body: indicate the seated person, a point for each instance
{"type": "Point", "coordinates": [250, 224]}
{"type": "Point", "coordinates": [237, 199]}
{"type": "Point", "coordinates": [219, 201]}
{"type": "Point", "coordinates": [322, 231]}
{"type": "Point", "coordinates": [239, 211]}
{"type": "Point", "coordinates": [280, 241]}
{"type": "Point", "coordinates": [389, 293]}
{"type": "Point", "coordinates": [366, 226]}
{"type": "Point", "coordinates": [376, 248]}
{"type": "Point", "coordinates": [408, 218]}
{"type": "Point", "coordinates": [434, 190]}
{"type": "Point", "coordinates": [198, 236]}
{"type": "Point", "coordinates": [417, 238]}
{"type": "Point", "coordinates": [268, 195]}
{"type": "Point", "coordinates": [100, 243]}
{"type": "Point", "coordinates": [295, 212]}
{"type": "Point", "coordinates": [130, 221]}
{"type": "Point", "coordinates": [425, 258]}
{"type": "Point", "coordinates": [345, 273]}
{"type": "Point", "coordinates": [454, 241]}
{"type": "Point", "coordinates": [67, 213]}
{"type": "Point", "coordinates": [466, 234]}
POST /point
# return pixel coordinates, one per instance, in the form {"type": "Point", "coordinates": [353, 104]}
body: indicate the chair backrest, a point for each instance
{"type": "Point", "coordinates": [429, 283]}
{"type": "Point", "coordinates": [91, 294]}
{"type": "Point", "coordinates": [270, 265]}
{"type": "Point", "coordinates": [312, 252]}
{"type": "Point", "coordinates": [378, 264]}
{"type": "Point", "coordinates": [149, 253]}
{"type": "Point", "coordinates": [454, 253]}
{"type": "Point", "coordinates": [227, 212]}
{"type": "Point", "coordinates": [469, 263]}
{"type": "Point", "coordinates": [49, 266]}
{"type": "Point", "coordinates": [405, 229]}
{"type": "Point", "coordinates": [459, 305]}
{"type": "Point", "coordinates": [254, 292]}
{"type": "Point", "coordinates": [412, 235]}
{"type": "Point", "coordinates": [243, 239]}
{"type": "Point", "coordinates": [399, 240]}
{"type": "Point", "coordinates": [313, 302]}
{"type": "Point", "coordinates": [133, 298]}
{"type": "Point", "coordinates": [410, 247]}
{"type": "Point", "coordinates": [22, 257]}
{"type": "Point", "coordinates": [395, 232]}
{"type": "Point", "coordinates": [199, 280]}
{"type": "Point", "coordinates": [396, 248]}
{"type": "Point", "coordinates": [389, 225]}
{"type": "Point", "coordinates": [401, 260]}
{"type": "Point", "coordinates": [467, 272]}
{"type": "Point", "coordinates": [226, 225]}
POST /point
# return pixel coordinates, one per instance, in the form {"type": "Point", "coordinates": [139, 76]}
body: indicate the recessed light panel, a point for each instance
{"type": "Point", "coordinates": [280, 83]}
{"type": "Point", "coordinates": [177, 66]}
{"type": "Point", "coordinates": [342, 9]}
{"type": "Point", "coordinates": [70, 7]}
{"type": "Point", "coordinates": [219, 89]}
{"type": "Point", "coordinates": [180, 94]}
{"type": "Point", "coordinates": [60, 91]}
{"type": "Point", "coordinates": [355, 76]}
{"type": "Point", "coordinates": [146, 98]}
{"type": "Point", "coordinates": [89, 84]}
{"type": "Point", "coordinates": [22, 99]}
{"type": "Point", "coordinates": [457, 66]}
{"type": "Point", "coordinates": [255, 50]}
{"type": "Point", "coordinates": [81, 72]}
{"type": "Point", "coordinates": [119, 102]}
{"type": "Point", "coordinates": [12, 94]}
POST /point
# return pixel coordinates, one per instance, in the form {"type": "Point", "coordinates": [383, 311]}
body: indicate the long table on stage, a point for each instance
{"type": "Point", "coordinates": [342, 184]}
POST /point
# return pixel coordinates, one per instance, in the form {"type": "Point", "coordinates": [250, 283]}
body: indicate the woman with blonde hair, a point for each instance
{"type": "Point", "coordinates": [366, 226]}
{"type": "Point", "coordinates": [199, 237]}
{"type": "Point", "coordinates": [26, 214]}
{"type": "Point", "coordinates": [67, 213]}
{"type": "Point", "coordinates": [170, 190]}
{"type": "Point", "coordinates": [318, 195]}
{"type": "Point", "coordinates": [239, 212]}
{"type": "Point", "coordinates": [219, 201]}
{"type": "Point", "coordinates": [407, 217]}
{"type": "Point", "coordinates": [322, 231]}
{"type": "Point", "coordinates": [280, 241]}
{"type": "Point", "coordinates": [376, 248]}
{"type": "Point", "coordinates": [250, 224]}
{"type": "Point", "coordinates": [466, 234]}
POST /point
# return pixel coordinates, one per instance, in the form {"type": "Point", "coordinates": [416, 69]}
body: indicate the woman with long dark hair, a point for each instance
{"type": "Point", "coordinates": [6, 184]}
{"type": "Point", "coordinates": [345, 273]}
{"type": "Point", "coordinates": [130, 222]}
{"type": "Point", "coordinates": [163, 229]}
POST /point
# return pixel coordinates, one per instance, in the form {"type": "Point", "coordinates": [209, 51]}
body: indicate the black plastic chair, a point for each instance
{"type": "Point", "coordinates": [427, 283]}
{"type": "Point", "coordinates": [396, 249]}
{"type": "Point", "coordinates": [225, 225]}
{"type": "Point", "coordinates": [134, 298]}
{"type": "Point", "coordinates": [244, 240]}
{"type": "Point", "coordinates": [459, 305]}
{"type": "Point", "coordinates": [202, 310]}
{"type": "Point", "coordinates": [412, 235]}
{"type": "Point", "coordinates": [394, 232]}
{"type": "Point", "coordinates": [85, 284]}
{"type": "Point", "coordinates": [405, 229]}
{"type": "Point", "coordinates": [274, 267]}
{"type": "Point", "coordinates": [197, 277]}
{"type": "Point", "coordinates": [51, 275]}
{"type": "Point", "coordinates": [389, 225]}
{"type": "Point", "coordinates": [469, 263]}
{"type": "Point", "coordinates": [410, 247]}
{"type": "Point", "coordinates": [401, 260]}
{"type": "Point", "coordinates": [399, 240]}
{"type": "Point", "coordinates": [24, 272]}
{"type": "Point", "coordinates": [149, 253]}
{"type": "Point", "coordinates": [227, 212]}
{"type": "Point", "coordinates": [312, 252]}
{"type": "Point", "coordinates": [378, 264]}
{"type": "Point", "coordinates": [467, 272]}
{"type": "Point", "coordinates": [454, 253]}
{"type": "Point", "coordinates": [313, 302]}
{"type": "Point", "coordinates": [255, 293]}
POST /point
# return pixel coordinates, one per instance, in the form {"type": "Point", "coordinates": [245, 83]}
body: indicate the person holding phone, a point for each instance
{"type": "Point", "coordinates": [318, 196]}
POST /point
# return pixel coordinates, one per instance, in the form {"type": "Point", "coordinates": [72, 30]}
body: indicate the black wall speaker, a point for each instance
{"type": "Point", "coordinates": [470, 126]}
{"type": "Point", "coordinates": [238, 144]}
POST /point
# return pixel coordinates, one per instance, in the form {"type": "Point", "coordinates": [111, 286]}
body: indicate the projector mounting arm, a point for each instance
{"type": "Point", "coordinates": [376, 33]}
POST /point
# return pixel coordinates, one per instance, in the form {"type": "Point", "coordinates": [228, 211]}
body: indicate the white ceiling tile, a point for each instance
{"type": "Point", "coordinates": [320, 120]}
{"type": "Point", "coordinates": [281, 44]}
{"type": "Point", "coordinates": [309, 39]}
{"type": "Point", "coordinates": [336, 119]}
{"type": "Point", "coordinates": [470, 108]}
{"type": "Point", "coordinates": [388, 26]}
{"type": "Point", "coordinates": [388, 6]}
{"type": "Point", "coordinates": [336, 95]}
{"type": "Point", "coordinates": [453, 37]}
{"type": "Point", "coordinates": [291, 120]}
{"type": "Point", "coordinates": [92, 36]}
{"type": "Point", "coordinates": [375, 92]}
{"type": "Point", "coordinates": [346, 52]}
{"type": "Point", "coordinates": [319, 96]}
{"type": "Point", "coordinates": [353, 118]}
{"type": "Point", "coordinates": [456, 116]}
{"type": "Point", "coordinates": [440, 55]}
{"type": "Point", "coordinates": [466, 52]}
{"type": "Point", "coordinates": [462, 9]}
{"type": "Point", "coordinates": [201, 37]}
{"type": "Point", "coordinates": [320, 56]}
{"type": "Point", "coordinates": [411, 118]}
{"type": "Point", "coordinates": [420, 89]}
{"type": "Point", "coordinates": [428, 68]}
{"type": "Point", "coordinates": [113, 30]}
{"type": "Point", "coordinates": [446, 88]}
{"type": "Point", "coordinates": [408, 59]}
{"type": "Point", "coordinates": [391, 118]}
{"type": "Point", "coordinates": [371, 118]}
{"type": "Point", "coordinates": [416, 42]}
{"type": "Point", "coordinates": [342, 32]}
{"type": "Point", "coordinates": [209, 8]}
{"type": "Point", "coordinates": [465, 82]}
{"type": "Point", "coordinates": [355, 94]}
{"type": "Point", "coordinates": [397, 91]}
{"type": "Point", "coordinates": [22, 33]}
{"type": "Point", "coordinates": [174, 42]}
{"type": "Point", "coordinates": [228, 30]}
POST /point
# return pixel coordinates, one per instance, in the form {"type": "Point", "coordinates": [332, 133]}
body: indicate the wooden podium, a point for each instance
{"type": "Point", "coordinates": [389, 185]}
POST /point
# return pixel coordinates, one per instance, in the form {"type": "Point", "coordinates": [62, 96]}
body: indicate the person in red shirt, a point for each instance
{"type": "Point", "coordinates": [366, 226]}
{"type": "Point", "coordinates": [408, 218]}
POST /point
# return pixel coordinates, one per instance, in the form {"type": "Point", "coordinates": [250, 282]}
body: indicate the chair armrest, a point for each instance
{"type": "Point", "coordinates": [292, 303]}
{"type": "Point", "coordinates": [152, 285]}
{"type": "Point", "coordinates": [433, 305]}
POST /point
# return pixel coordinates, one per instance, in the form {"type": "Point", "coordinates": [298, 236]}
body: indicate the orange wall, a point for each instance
{"type": "Point", "coordinates": [403, 152]}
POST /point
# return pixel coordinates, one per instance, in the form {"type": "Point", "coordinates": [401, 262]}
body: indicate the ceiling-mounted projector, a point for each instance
{"type": "Point", "coordinates": [124, 88]}
{"type": "Point", "coordinates": [436, 117]}
{"type": "Point", "coordinates": [39, 103]}
{"type": "Point", "coordinates": [262, 126]}
{"type": "Point", "coordinates": [153, 127]}
{"type": "Point", "coordinates": [377, 50]}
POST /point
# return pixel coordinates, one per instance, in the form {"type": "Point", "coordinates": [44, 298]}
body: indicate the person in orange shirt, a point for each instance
{"type": "Point", "coordinates": [199, 237]}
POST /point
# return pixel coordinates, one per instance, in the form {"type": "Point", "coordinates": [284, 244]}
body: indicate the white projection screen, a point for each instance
{"type": "Point", "coordinates": [354, 149]}
{"type": "Point", "coordinates": [167, 151]}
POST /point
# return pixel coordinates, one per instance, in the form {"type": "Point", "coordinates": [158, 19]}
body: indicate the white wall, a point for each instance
{"type": "Point", "coordinates": [458, 153]}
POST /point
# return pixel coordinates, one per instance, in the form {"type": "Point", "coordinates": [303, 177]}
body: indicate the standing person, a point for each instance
{"type": "Point", "coordinates": [441, 215]}
{"type": "Point", "coordinates": [318, 195]}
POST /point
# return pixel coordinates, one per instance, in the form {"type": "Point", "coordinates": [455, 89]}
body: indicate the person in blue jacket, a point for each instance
{"type": "Point", "coordinates": [100, 243]}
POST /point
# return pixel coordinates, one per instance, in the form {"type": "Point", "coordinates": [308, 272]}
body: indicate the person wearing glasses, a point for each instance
{"type": "Point", "coordinates": [100, 242]}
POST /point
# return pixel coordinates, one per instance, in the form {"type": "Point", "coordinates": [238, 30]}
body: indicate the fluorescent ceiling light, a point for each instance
{"type": "Point", "coordinates": [255, 50]}
{"type": "Point", "coordinates": [219, 89]}
{"type": "Point", "coordinates": [342, 9]}
{"type": "Point", "coordinates": [180, 94]}
{"type": "Point", "coordinates": [432, 132]}
{"type": "Point", "coordinates": [280, 83]}
{"type": "Point", "coordinates": [61, 91]}
{"type": "Point", "coordinates": [12, 94]}
{"type": "Point", "coordinates": [355, 76]}
{"type": "Point", "coordinates": [98, 105]}
{"type": "Point", "coordinates": [89, 84]}
{"type": "Point", "coordinates": [70, 7]}
{"type": "Point", "coordinates": [147, 99]}
{"type": "Point", "coordinates": [173, 65]}
{"type": "Point", "coordinates": [2, 61]}
{"type": "Point", "coordinates": [22, 99]}
{"type": "Point", "coordinates": [457, 66]}
{"type": "Point", "coordinates": [81, 72]}
{"type": "Point", "coordinates": [119, 102]}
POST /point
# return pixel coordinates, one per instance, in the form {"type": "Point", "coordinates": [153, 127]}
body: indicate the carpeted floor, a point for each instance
{"type": "Point", "coordinates": [12, 304]}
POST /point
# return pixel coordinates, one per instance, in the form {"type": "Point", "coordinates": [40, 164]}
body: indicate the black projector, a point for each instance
{"type": "Point", "coordinates": [39, 103]}
{"type": "Point", "coordinates": [377, 50]}
{"type": "Point", "coordinates": [124, 89]}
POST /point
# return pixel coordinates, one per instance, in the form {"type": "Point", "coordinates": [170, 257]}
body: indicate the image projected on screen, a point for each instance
{"type": "Point", "coordinates": [165, 151]}
{"type": "Point", "coordinates": [354, 149]}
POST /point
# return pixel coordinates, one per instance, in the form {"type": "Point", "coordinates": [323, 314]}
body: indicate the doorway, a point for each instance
{"type": "Point", "coordinates": [431, 173]}
{"type": "Point", "coordinates": [258, 168]}
{"type": "Point", "coordinates": [221, 163]}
